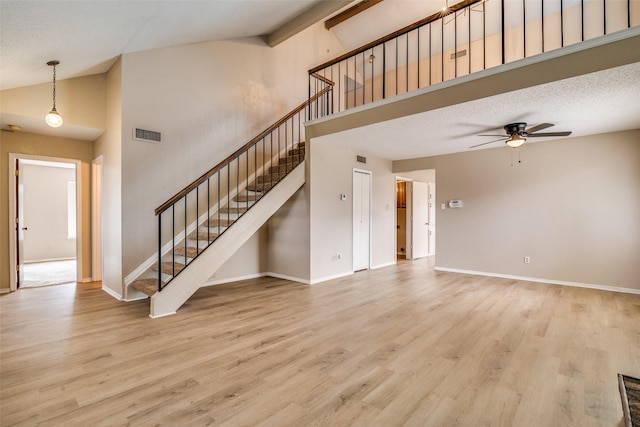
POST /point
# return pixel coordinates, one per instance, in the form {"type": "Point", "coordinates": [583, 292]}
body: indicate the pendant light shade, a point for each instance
{"type": "Point", "coordinates": [53, 119]}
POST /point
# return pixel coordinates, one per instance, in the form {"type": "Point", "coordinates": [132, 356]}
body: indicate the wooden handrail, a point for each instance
{"type": "Point", "coordinates": [453, 9]}
{"type": "Point", "coordinates": [179, 195]}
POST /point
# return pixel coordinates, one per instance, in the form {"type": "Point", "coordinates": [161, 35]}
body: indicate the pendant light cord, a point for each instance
{"type": "Point", "coordinates": [54, 87]}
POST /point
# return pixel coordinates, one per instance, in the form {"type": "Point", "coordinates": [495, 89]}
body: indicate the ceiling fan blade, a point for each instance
{"type": "Point", "coordinates": [539, 127]}
{"type": "Point", "coordinates": [485, 143]}
{"type": "Point", "coordinates": [504, 136]}
{"type": "Point", "coordinates": [546, 134]}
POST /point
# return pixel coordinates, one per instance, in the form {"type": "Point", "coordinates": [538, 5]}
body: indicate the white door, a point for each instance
{"type": "Point", "coordinates": [419, 219]}
{"type": "Point", "coordinates": [361, 220]}
{"type": "Point", "coordinates": [432, 218]}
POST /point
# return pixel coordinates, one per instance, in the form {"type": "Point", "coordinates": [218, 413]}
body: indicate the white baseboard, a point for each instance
{"type": "Point", "coordinates": [162, 315]}
{"type": "Point", "coordinates": [232, 279]}
{"type": "Point", "coordinates": [538, 280]}
{"type": "Point", "coordinates": [86, 280]}
{"type": "Point", "coordinates": [112, 293]}
{"type": "Point", "coordinates": [37, 261]}
{"type": "Point", "coordinates": [326, 278]}
{"type": "Point", "coordinates": [388, 264]}
{"type": "Point", "coordinates": [290, 278]}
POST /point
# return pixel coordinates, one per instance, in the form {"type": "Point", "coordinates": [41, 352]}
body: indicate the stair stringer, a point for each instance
{"type": "Point", "coordinates": [184, 285]}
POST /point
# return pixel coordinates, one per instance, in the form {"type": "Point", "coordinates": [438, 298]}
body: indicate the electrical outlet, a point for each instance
{"type": "Point", "coordinates": [527, 260]}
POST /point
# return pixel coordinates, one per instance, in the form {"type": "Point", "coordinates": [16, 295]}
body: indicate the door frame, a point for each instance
{"type": "Point", "coordinates": [96, 218]}
{"type": "Point", "coordinates": [13, 214]}
{"type": "Point", "coordinates": [353, 254]}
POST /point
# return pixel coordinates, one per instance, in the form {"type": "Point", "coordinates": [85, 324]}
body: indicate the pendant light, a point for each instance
{"type": "Point", "coordinates": [53, 119]}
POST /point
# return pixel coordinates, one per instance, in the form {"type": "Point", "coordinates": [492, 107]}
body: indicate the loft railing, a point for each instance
{"type": "Point", "coordinates": [206, 202]}
{"type": "Point", "coordinates": [470, 36]}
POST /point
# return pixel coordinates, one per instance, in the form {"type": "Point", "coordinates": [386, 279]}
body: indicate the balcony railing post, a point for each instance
{"type": "Point", "coordinates": [159, 252]}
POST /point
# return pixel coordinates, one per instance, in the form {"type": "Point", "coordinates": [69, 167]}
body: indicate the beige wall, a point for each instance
{"type": "Point", "coordinates": [80, 101]}
{"type": "Point", "coordinates": [331, 229]}
{"type": "Point", "coordinates": [46, 212]}
{"type": "Point", "coordinates": [47, 146]}
{"type": "Point", "coordinates": [288, 239]}
{"type": "Point", "coordinates": [572, 205]}
{"type": "Point", "coordinates": [207, 100]}
{"type": "Point", "coordinates": [109, 148]}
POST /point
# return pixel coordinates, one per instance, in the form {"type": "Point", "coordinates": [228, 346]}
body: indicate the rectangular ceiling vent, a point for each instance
{"type": "Point", "coordinates": [459, 54]}
{"type": "Point", "coordinates": [361, 159]}
{"type": "Point", "coordinates": [147, 135]}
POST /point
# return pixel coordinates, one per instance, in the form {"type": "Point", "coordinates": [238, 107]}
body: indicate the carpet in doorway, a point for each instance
{"type": "Point", "coordinates": [630, 393]}
{"type": "Point", "coordinates": [39, 274]}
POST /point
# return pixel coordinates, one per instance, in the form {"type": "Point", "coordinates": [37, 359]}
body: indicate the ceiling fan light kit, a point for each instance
{"type": "Point", "coordinates": [517, 134]}
{"type": "Point", "coordinates": [515, 141]}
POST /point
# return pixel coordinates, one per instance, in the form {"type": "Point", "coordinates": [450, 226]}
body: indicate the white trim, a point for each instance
{"type": "Point", "coordinates": [5, 291]}
{"type": "Point", "coordinates": [96, 217]}
{"type": "Point", "coordinates": [12, 208]}
{"type": "Point", "coordinates": [85, 280]}
{"type": "Point", "coordinates": [48, 260]}
{"type": "Point", "coordinates": [137, 298]}
{"type": "Point", "coordinates": [388, 264]}
{"type": "Point", "coordinates": [538, 280]}
{"type": "Point", "coordinates": [289, 278]}
{"type": "Point", "coordinates": [232, 279]}
{"type": "Point", "coordinates": [162, 315]}
{"type": "Point", "coordinates": [334, 276]}
{"type": "Point", "coordinates": [112, 293]}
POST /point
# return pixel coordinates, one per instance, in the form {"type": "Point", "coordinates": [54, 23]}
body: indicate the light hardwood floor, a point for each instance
{"type": "Point", "coordinates": [402, 345]}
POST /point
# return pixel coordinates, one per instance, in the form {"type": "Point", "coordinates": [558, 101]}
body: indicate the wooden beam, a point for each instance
{"type": "Point", "coordinates": [349, 13]}
{"type": "Point", "coordinates": [309, 17]}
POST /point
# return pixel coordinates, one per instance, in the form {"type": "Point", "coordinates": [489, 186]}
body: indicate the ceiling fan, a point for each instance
{"type": "Point", "coordinates": [517, 134]}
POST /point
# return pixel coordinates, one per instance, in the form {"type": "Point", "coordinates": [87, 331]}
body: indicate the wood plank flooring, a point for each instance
{"type": "Point", "coordinates": [403, 345]}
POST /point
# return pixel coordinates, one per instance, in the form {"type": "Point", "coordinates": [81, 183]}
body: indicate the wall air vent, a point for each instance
{"type": "Point", "coordinates": [147, 135]}
{"type": "Point", "coordinates": [361, 159]}
{"type": "Point", "coordinates": [459, 54]}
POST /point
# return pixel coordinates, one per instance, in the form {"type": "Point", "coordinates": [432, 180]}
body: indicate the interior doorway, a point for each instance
{"type": "Point", "coordinates": [44, 243]}
{"type": "Point", "coordinates": [415, 215]}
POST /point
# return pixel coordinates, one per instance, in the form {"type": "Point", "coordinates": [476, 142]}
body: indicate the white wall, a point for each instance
{"type": "Point", "coordinates": [207, 100]}
{"type": "Point", "coordinates": [331, 228]}
{"type": "Point", "coordinates": [572, 205]}
{"type": "Point", "coordinates": [46, 213]}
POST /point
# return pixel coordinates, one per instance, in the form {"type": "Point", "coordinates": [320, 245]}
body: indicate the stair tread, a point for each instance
{"type": "Point", "coordinates": [233, 209]}
{"type": "Point", "coordinates": [146, 286]}
{"type": "Point", "coordinates": [247, 197]}
{"type": "Point", "coordinates": [222, 222]}
{"type": "Point", "coordinates": [260, 186]}
{"type": "Point", "coordinates": [167, 267]}
{"type": "Point", "coordinates": [203, 235]}
{"type": "Point", "coordinates": [189, 251]}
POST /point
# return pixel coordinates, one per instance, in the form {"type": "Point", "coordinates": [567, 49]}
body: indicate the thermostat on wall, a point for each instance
{"type": "Point", "coordinates": [455, 203]}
